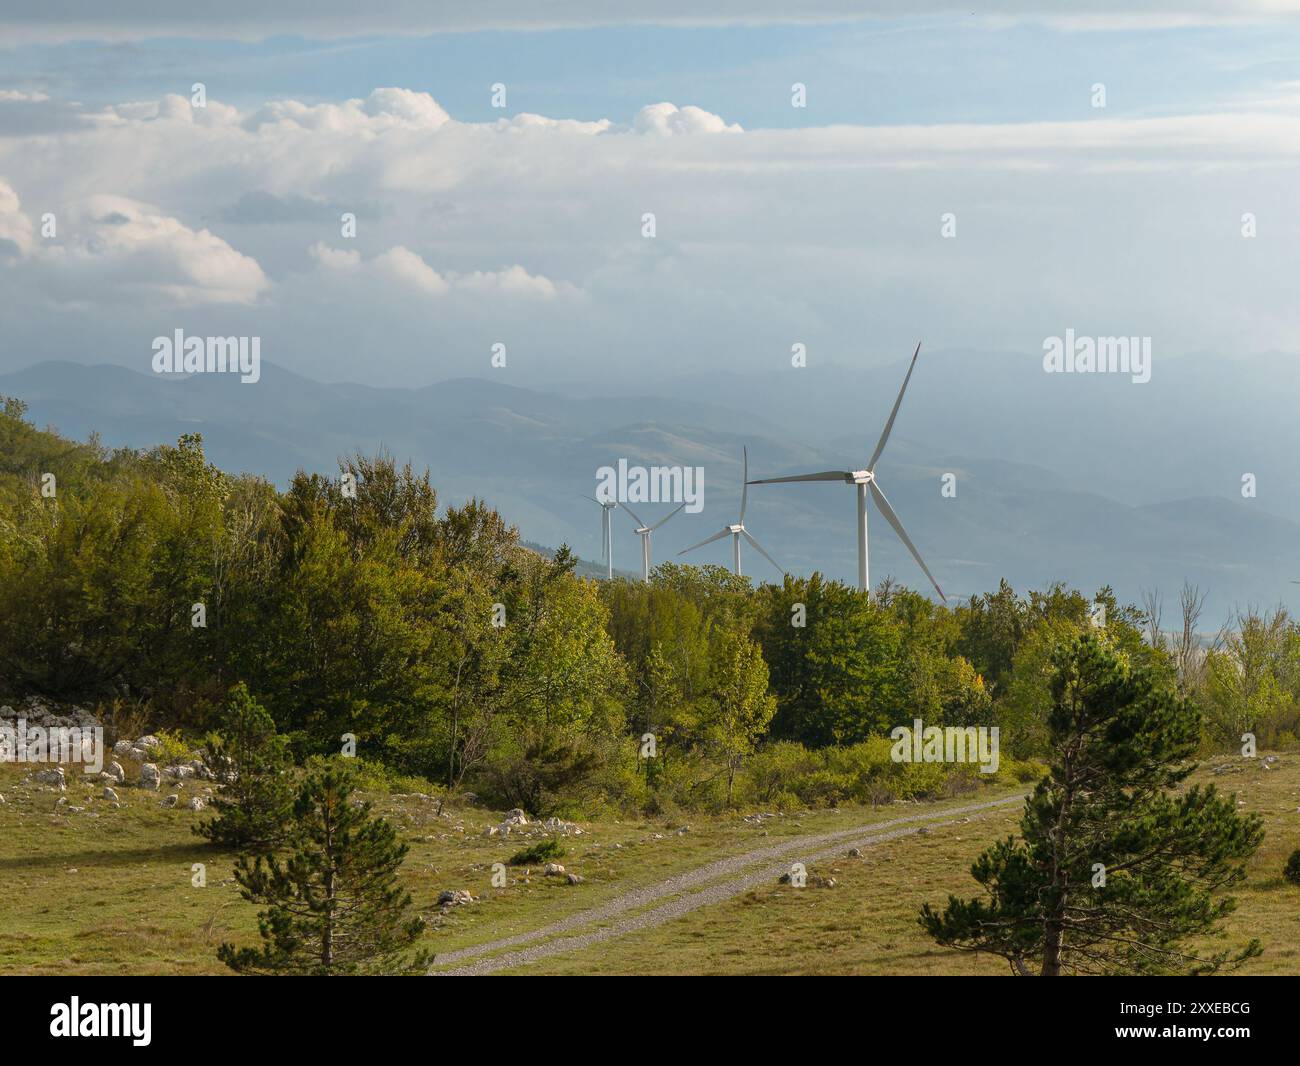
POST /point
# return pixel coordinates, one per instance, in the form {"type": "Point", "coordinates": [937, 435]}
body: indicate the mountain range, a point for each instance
{"type": "Point", "coordinates": [1089, 479]}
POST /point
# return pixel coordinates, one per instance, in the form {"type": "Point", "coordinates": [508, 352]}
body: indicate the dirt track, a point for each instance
{"type": "Point", "coordinates": [772, 861]}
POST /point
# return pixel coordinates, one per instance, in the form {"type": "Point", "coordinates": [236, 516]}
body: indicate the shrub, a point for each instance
{"type": "Point", "coordinates": [542, 851]}
{"type": "Point", "coordinates": [1291, 871]}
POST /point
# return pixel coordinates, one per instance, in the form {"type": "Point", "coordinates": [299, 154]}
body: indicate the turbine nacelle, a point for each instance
{"type": "Point", "coordinates": [866, 482]}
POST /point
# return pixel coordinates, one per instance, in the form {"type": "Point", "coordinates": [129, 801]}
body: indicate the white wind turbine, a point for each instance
{"type": "Point", "coordinates": [866, 480]}
{"type": "Point", "coordinates": [607, 540]}
{"type": "Point", "coordinates": [644, 531]}
{"type": "Point", "coordinates": [737, 529]}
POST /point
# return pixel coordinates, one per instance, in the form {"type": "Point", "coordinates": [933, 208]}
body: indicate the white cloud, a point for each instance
{"type": "Point", "coordinates": [114, 248]}
{"type": "Point", "coordinates": [527, 230]}
{"type": "Point", "coordinates": [667, 119]}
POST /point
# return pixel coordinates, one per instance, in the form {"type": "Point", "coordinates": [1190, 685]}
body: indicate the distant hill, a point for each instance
{"type": "Point", "coordinates": [1090, 481]}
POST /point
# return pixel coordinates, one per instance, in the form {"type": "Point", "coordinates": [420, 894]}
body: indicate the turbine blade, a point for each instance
{"type": "Point", "coordinates": [744, 488]}
{"type": "Point", "coordinates": [892, 519]}
{"type": "Point", "coordinates": [592, 499]}
{"type": "Point", "coordinates": [670, 514]}
{"type": "Point", "coordinates": [825, 475]}
{"type": "Point", "coordinates": [716, 536]}
{"type": "Point", "coordinates": [759, 548]}
{"type": "Point", "coordinates": [633, 514]}
{"type": "Point", "coordinates": [880, 445]}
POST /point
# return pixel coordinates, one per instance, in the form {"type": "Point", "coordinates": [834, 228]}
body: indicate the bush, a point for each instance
{"type": "Point", "coordinates": [1291, 871]}
{"type": "Point", "coordinates": [172, 750]}
{"type": "Point", "coordinates": [542, 851]}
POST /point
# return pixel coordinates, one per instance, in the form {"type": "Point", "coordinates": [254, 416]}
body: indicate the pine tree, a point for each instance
{"type": "Point", "coordinates": [255, 802]}
{"type": "Point", "coordinates": [334, 908]}
{"type": "Point", "coordinates": [1117, 868]}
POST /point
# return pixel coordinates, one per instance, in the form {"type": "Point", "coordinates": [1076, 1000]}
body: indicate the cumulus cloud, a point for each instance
{"type": "Point", "coordinates": [399, 266]}
{"type": "Point", "coordinates": [116, 248]}
{"type": "Point", "coordinates": [15, 227]}
{"type": "Point", "coordinates": [383, 109]}
{"type": "Point", "coordinates": [667, 119]}
{"type": "Point", "coordinates": [527, 230]}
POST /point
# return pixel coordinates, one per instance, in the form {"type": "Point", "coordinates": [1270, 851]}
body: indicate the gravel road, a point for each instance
{"type": "Point", "coordinates": [775, 859]}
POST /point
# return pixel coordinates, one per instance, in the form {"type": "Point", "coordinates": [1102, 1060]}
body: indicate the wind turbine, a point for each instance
{"type": "Point", "coordinates": [645, 531]}
{"type": "Point", "coordinates": [607, 541]}
{"type": "Point", "coordinates": [737, 529]}
{"type": "Point", "coordinates": [866, 480]}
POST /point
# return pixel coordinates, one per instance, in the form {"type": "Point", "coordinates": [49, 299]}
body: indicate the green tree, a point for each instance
{"type": "Point", "coordinates": [1115, 870]}
{"type": "Point", "coordinates": [740, 706]}
{"type": "Point", "coordinates": [252, 810]}
{"type": "Point", "coordinates": [334, 907]}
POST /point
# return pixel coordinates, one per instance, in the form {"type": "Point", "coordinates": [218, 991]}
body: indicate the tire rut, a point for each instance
{"type": "Point", "coordinates": [674, 886]}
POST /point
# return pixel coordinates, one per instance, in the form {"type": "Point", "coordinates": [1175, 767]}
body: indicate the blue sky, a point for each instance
{"type": "Point", "coordinates": [934, 69]}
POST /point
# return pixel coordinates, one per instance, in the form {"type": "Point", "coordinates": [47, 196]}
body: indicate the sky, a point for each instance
{"type": "Point", "coordinates": [951, 176]}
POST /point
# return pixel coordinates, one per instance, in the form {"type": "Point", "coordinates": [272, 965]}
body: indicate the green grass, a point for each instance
{"type": "Point", "coordinates": [108, 891]}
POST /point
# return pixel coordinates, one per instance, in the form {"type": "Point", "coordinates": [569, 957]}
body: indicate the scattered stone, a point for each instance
{"type": "Point", "coordinates": [454, 898]}
{"type": "Point", "coordinates": [574, 879]}
{"type": "Point", "coordinates": [923, 832]}
{"type": "Point", "coordinates": [553, 869]}
{"type": "Point", "coordinates": [110, 795]}
{"type": "Point", "coordinates": [171, 800]}
{"type": "Point", "coordinates": [150, 778]}
{"type": "Point", "coordinates": [516, 817]}
{"type": "Point", "coordinates": [54, 776]}
{"type": "Point", "coordinates": [855, 853]}
{"type": "Point", "coordinates": [179, 772]}
{"type": "Point", "coordinates": [196, 803]}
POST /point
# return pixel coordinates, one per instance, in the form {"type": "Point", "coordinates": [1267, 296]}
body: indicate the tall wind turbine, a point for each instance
{"type": "Point", "coordinates": [866, 481]}
{"type": "Point", "coordinates": [645, 531]}
{"type": "Point", "coordinates": [607, 540]}
{"type": "Point", "coordinates": [737, 529]}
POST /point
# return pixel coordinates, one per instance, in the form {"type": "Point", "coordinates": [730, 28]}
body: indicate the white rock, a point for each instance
{"type": "Point", "coordinates": [109, 794]}
{"type": "Point", "coordinates": [553, 869]}
{"type": "Point", "coordinates": [515, 817]}
{"type": "Point", "coordinates": [454, 897]}
{"type": "Point", "coordinates": [196, 803]}
{"type": "Point", "coordinates": [150, 778]}
{"type": "Point", "coordinates": [115, 768]}
{"type": "Point", "coordinates": [171, 800]}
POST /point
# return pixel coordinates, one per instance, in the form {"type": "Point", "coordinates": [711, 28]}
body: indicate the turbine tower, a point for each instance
{"type": "Point", "coordinates": [607, 541]}
{"type": "Point", "coordinates": [865, 480]}
{"type": "Point", "coordinates": [644, 531]}
{"type": "Point", "coordinates": [737, 529]}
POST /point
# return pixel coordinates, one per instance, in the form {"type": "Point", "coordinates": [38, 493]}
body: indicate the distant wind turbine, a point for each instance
{"type": "Point", "coordinates": [737, 530]}
{"type": "Point", "coordinates": [607, 541]}
{"type": "Point", "coordinates": [644, 531]}
{"type": "Point", "coordinates": [864, 480]}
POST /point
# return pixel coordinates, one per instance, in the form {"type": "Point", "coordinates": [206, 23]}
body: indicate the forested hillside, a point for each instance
{"type": "Point", "coordinates": [145, 585]}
